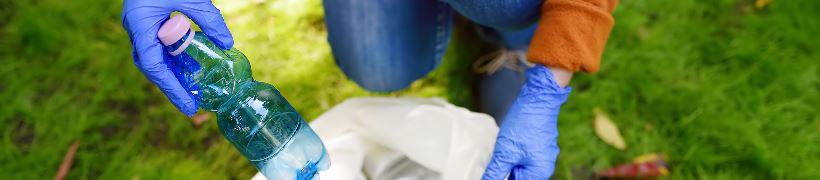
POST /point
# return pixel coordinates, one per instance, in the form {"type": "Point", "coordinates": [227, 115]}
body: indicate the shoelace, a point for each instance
{"type": "Point", "coordinates": [503, 58]}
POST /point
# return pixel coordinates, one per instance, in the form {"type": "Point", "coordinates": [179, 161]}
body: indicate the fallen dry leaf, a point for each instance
{"type": "Point", "coordinates": [200, 118]}
{"type": "Point", "coordinates": [648, 166]}
{"type": "Point", "coordinates": [651, 157]}
{"type": "Point", "coordinates": [607, 130]}
{"type": "Point", "coordinates": [760, 4]}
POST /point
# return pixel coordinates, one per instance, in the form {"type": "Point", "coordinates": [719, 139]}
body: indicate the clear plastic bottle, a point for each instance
{"type": "Point", "coordinates": [252, 115]}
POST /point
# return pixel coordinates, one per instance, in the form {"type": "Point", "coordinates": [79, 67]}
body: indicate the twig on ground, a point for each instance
{"type": "Point", "coordinates": [68, 159]}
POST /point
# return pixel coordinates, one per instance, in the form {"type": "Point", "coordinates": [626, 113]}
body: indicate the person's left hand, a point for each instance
{"type": "Point", "coordinates": [527, 145]}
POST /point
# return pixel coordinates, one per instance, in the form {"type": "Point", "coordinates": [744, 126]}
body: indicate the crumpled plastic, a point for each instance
{"type": "Point", "coordinates": [405, 138]}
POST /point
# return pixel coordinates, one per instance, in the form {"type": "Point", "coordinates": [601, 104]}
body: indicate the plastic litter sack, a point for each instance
{"type": "Point", "coordinates": [404, 138]}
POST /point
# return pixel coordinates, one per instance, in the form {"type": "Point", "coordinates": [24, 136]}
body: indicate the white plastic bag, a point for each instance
{"type": "Point", "coordinates": [405, 138]}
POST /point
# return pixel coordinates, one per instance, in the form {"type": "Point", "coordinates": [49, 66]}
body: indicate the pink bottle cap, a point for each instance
{"type": "Point", "coordinates": [172, 30]}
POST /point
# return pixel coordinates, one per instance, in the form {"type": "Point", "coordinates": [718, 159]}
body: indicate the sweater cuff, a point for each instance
{"type": "Point", "coordinates": [572, 34]}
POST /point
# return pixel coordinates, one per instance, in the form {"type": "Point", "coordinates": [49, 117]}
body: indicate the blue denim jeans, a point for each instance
{"type": "Point", "coordinates": [384, 45]}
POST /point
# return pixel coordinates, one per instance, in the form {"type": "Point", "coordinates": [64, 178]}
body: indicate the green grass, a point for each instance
{"type": "Point", "coordinates": [726, 90]}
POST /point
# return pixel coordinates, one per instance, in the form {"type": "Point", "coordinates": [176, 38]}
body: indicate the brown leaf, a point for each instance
{"type": "Point", "coordinates": [607, 130]}
{"type": "Point", "coordinates": [200, 118]}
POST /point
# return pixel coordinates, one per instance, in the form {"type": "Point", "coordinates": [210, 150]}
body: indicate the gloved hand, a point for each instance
{"type": "Point", "coordinates": [527, 145]}
{"type": "Point", "coordinates": [142, 19]}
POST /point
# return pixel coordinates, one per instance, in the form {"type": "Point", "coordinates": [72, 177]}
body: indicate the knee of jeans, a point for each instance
{"type": "Point", "coordinates": [499, 14]}
{"type": "Point", "coordinates": [385, 69]}
{"type": "Point", "coordinates": [382, 66]}
{"type": "Point", "coordinates": [382, 79]}
{"type": "Point", "coordinates": [386, 46]}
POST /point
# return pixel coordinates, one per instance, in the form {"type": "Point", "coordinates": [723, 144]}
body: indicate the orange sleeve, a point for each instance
{"type": "Point", "coordinates": [572, 34]}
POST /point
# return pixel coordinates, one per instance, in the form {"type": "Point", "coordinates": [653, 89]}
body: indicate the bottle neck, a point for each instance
{"type": "Point", "coordinates": [181, 44]}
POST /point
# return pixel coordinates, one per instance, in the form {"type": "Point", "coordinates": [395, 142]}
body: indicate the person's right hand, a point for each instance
{"type": "Point", "coordinates": [142, 19]}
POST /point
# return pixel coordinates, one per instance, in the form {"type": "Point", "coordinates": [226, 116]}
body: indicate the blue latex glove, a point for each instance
{"type": "Point", "coordinates": [142, 19]}
{"type": "Point", "coordinates": [527, 143]}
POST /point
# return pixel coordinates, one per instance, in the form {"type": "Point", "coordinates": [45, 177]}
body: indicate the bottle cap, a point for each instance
{"type": "Point", "coordinates": [172, 30]}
